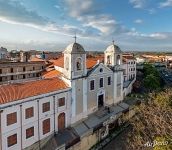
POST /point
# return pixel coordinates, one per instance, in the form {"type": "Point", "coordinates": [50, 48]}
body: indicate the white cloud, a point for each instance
{"type": "Point", "coordinates": [137, 3]}
{"type": "Point", "coordinates": [14, 11]}
{"type": "Point", "coordinates": [88, 13]}
{"type": "Point", "coordinates": [167, 3]}
{"type": "Point", "coordinates": [152, 11]}
{"type": "Point", "coordinates": [159, 36]}
{"type": "Point", "coordinates": [138, 21]}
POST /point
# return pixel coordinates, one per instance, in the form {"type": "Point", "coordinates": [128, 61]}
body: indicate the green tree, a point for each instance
{"type": "Point", "coordinates": [151, 82]}
{"type": "Point", "coordinates": [151, 123]}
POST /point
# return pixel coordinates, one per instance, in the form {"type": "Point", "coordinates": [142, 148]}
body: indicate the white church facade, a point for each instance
{"type": "Point", "coordinates": [32, 111]}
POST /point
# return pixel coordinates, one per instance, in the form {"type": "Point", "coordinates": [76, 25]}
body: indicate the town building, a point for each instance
{"type": "Point", "coordinates": [77, 88]}
{"type": "Point", "coordinates": [3, 53]}
{"type": "Point", "coordinates": [11, 72]}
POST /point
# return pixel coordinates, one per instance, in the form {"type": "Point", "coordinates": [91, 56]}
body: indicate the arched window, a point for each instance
{"type": "Point", "coordinates": [108, 59]}
{"type": "Point", "coordinates": [67, 63]}
{"type": "Point", "coordinates": [78, 64]}
{"type": "Point", "coordinates": [118, 60]}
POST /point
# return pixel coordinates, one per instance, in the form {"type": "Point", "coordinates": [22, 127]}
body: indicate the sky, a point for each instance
{"type": "Point", "coordinates": [144, 25]}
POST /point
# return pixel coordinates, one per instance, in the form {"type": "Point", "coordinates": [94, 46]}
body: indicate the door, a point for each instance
{"type": "Point", "coordinates": [61, 121]}
{"type": "Point", "coordinates": [100, 100]}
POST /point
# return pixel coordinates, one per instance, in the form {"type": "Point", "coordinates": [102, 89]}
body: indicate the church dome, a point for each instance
{"type": "Point", "coordinates": [74, 48]}
{"type": "Point", "coordinates": [113, 48]}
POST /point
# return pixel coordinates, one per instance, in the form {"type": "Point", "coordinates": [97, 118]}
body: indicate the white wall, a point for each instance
{"type": "Point", "coordinates": [33, 121]}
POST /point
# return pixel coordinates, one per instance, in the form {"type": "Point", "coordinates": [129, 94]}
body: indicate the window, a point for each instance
{"type": "Point", "coordinates": [108, 60]}
{"type": "Point", "coordinates": [67, 63]}
{"type": "Point", "coordinates": [109, 80]}
{"type": "Point", "coordinates": [0, 71]}
{"type": "Point", "coordinates": [29, 112]}
{"type": "Point", "coordinates": [101, 82]}
{"type": "Point", "coordinates": [118, 60]}
{"type": "Point", "coordinates": [29, 132]}
{"type": "Point", "coordinates": [11, 70]}
{"type": "Point", "coordinates": [11, 118]}
{"type": "Point", "coordinates": [78, 64]}
{"type": "Point", "coordinates": [92, 85]}
{"type": "Point", "coordinates": [46, 107]}
{"type": "Point", "coordinates": [61, 101]}
{"type": "Point", "coordinates": [101, 70]}
{"type": "Point", "coordinates": [12, 140]}
{"type": "Point", "coordinates": [24, 69]}
{"type": "Point", "coordinates": [46, 126]}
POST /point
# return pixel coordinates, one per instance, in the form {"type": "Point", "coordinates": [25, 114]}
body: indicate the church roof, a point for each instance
{"type": "Point", "coordinates": [51, 74]}
{"type": "Point", "coordinates": [74, 48]}
{"type": "Point", "coordinates": [90, 61]}
{"type": "Point", "coordinates": [113, 48]}
{"type": "Point", "coordinates": [18, 91]}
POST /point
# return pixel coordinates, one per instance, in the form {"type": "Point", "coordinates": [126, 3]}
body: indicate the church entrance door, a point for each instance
{"type": "Point", "coordinates": [100, 100]}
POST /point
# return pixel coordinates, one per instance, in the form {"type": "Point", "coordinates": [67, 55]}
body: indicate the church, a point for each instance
{"type": "Point", "coordinates": [95, 87]}
{"type": "Point", "coordinates": [31, 111]}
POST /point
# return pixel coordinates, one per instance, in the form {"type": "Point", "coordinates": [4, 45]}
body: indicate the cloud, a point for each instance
{"type": "Point", "coordinates": [137, 3]}
{"type": "Point", "coordinates": [152, 11]}
{"type": "Point", "coordinates": [91, 17]}
{"type": "Point", "coordinates": [15, 12]}
{"type": "Point", "coordinates": [138, 21]}
{"type": "Point", "coordinates": [159, 36]}
{"type": "Point", "coordinates": [167, 3]}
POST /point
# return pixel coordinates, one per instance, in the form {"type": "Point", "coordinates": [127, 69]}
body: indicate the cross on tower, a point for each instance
{"type": "Point", "coordinates": [113, 41]}
{"type": "Point", "coordinates": [75, 37]}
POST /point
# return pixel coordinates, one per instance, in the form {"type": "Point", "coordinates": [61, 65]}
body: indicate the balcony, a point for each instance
{"type": "Point", "coordinates": [20, 80]}
{"type": "Point", "coordinates": [18, 73]}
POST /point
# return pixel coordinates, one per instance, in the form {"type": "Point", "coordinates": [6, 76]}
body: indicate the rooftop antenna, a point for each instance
{"type": "Point", "coordinates": [75, 37]}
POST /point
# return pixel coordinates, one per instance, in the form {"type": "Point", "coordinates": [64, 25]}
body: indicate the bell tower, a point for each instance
{"type": "Point", "coordinates": [74, 61]}
{"type": "Point", "coordinates": [113, 55]}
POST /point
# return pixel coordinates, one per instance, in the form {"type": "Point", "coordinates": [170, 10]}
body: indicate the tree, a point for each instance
{"type": "Point", "coordinates": [151, 82]}
{"type": "Point", "coordinates": [152, 123]}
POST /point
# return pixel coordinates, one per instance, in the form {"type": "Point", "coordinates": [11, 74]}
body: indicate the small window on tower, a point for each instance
{"type": "Point", "coordinates": [118, 61]}
{"type": "Point", "coordinates": [108, 60]}
{"type": "Point", "coordinates": [78, 64]}
{"type": "Point", "coordinates": [67, 63]}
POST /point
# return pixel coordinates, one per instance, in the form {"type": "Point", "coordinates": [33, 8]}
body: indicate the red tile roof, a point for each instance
{"type": "Point", "coordinates": [128, 57]}
{"type": "Point", "coordinates": [51, 74]}
{"type": "Point", "coordinates": [58, 62]}
{"type": "Point", "coordinates": [91, 61]}
{"type": "Point", "coordinates": [18, 91]}
{"type": "Point", "coordinates": [36, 59]}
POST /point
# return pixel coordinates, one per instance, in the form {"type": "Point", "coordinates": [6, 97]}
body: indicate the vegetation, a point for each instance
{"type": "Point", "coordinates": [152, 125]}
{"type": "Point", "coordinates": [152, 80]}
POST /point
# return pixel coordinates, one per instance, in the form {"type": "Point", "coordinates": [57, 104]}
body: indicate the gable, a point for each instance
{"type": "Point", "coordinates": [99, 70]}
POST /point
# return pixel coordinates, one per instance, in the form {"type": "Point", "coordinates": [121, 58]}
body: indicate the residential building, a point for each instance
{"type": "Point", "coordinates": [11, 72]}
{"type": "Point", "coordinates": [3, 53]}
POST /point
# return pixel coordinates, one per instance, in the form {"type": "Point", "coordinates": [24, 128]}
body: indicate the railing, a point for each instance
{"type": "Point", "coordinates": [17, 73]}
{"type": "Point", "coordinates": [20, 80]}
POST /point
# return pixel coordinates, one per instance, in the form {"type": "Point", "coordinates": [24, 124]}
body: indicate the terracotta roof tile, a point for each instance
{"type": "Point", "coordinates": [36, 59]}
{"type": "Point", "coordinates": [14, 92]}
{"type": "Point", "coordinates": [128, 57]}
{"type": "Point", "coordinates": [58, 62]}
{"type": "Point", "coordinates": [91, 61]}
{"type": "Point", "coordinates": [51, 74]}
